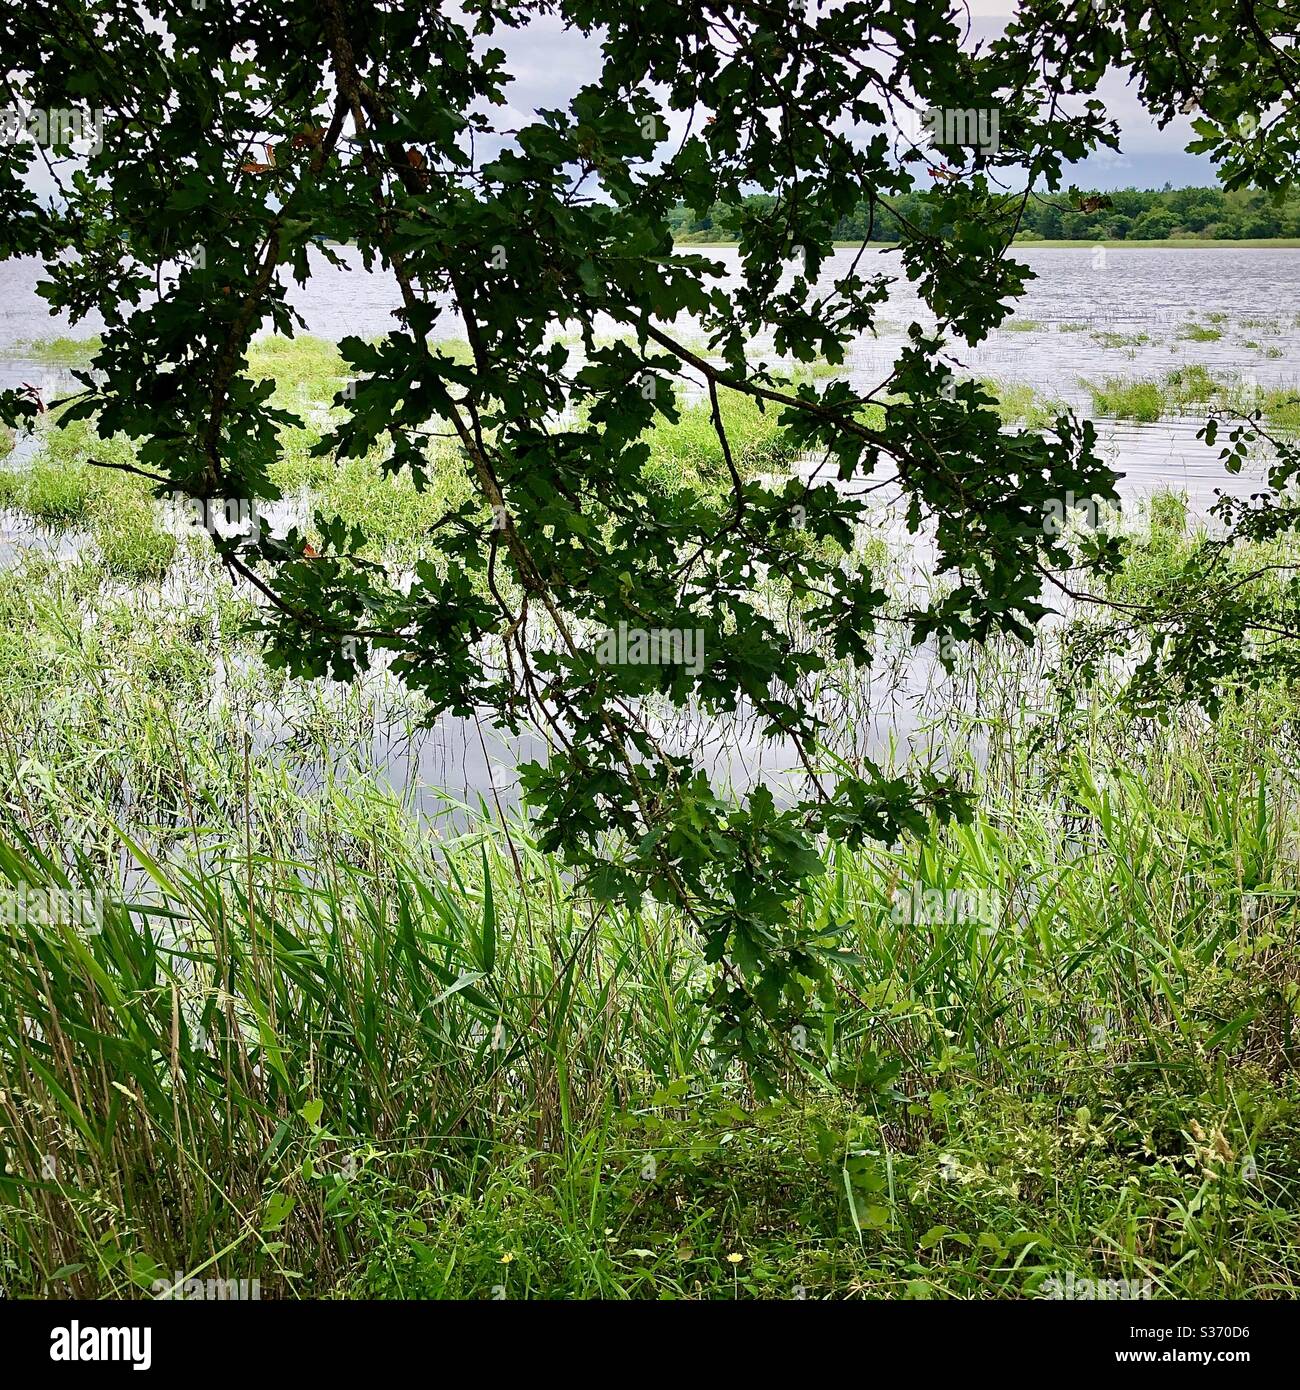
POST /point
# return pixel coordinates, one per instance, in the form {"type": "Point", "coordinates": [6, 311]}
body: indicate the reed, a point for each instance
{"type": "Point", "coordinates": [348, 1036]}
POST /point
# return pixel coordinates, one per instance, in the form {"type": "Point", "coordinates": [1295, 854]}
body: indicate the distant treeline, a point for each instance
{"type": "Point", "coordinates": [1129, 214]}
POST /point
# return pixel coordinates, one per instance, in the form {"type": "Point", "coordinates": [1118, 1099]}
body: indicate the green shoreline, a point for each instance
{"type": "Point", "coordinates": [1179, 242]}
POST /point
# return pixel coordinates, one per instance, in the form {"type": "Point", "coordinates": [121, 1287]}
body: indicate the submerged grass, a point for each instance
{"type": "Point", "coordinates": [1193, 388]}
{"type": "Point", "coordinates": [57, 351]}
{"type": "Point", "coordinates": [1108, 339]}
{"type": "Point", "coordinates": [688, 451]}
{"type": "Point", "coordinates": [62, 491]}
{"type": "Point", "coordinates": [1018, 403]}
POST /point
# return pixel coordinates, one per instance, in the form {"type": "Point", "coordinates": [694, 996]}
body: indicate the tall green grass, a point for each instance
{"type": "Point", "coordinates": [327, 1041]}
{"type": "Point", "coordinates": [350, 1038]}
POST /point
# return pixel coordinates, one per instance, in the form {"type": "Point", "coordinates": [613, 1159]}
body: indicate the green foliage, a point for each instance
{"type": "Point", "coordinates": [1126, 214]}
{"type": "Point", "coordinates": [548, 255]}
{"type": "Point", "coordinates": [1069, 1082]}
{"type": "Point", "coordinates": [1121, 340]}
{"type": "Point", "coordinates": [688, 452]}
{"type": "Point", "coordinates": [63, 490]}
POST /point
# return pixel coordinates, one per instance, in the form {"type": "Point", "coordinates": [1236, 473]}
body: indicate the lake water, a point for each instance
{"type": "Point", "coordinates": [1077, 292]}
{"type": "Point", "coordinates": [1088, 314]}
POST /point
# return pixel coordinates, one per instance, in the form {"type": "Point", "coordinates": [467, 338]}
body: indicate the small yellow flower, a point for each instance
{"type": "Point", "coordinates": [506, 1258]}
{"type": "Point", "coordinates": [734, 1259]}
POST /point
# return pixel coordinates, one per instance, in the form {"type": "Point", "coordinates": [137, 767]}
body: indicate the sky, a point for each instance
{"type": "Point", "coordinates": [1149, 157]}
{"type": "Point", "coordinates": [550, 63]}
